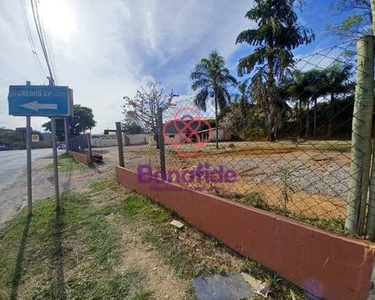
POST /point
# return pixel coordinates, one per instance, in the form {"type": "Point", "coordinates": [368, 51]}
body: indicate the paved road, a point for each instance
{"type": "Point", "coordinates": [12, 163]}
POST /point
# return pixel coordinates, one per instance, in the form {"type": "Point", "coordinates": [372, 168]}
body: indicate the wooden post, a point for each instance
{"type": "Point", "coordinates": [119, 145]}
{"type": "Point", "coordinates": [361, 137]}
{"type": "Point", "coordinates": [88, 136]}
{"type": "Point", "coordinates": [161, 142]}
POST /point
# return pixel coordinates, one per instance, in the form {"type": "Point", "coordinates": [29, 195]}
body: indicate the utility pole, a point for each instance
{"type": "Point", "coordinates": [55, 159]}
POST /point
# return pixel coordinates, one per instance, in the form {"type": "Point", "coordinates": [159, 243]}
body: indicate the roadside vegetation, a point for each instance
{"type": "Point", "coordinates": [336, 225]}
{"type": "Point", "coordinates": [87, 251]}
{"type": "Point", "coordinates": [67, 163]}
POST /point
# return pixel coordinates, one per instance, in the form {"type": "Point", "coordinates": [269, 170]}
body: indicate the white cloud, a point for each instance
{"type": "Point", "coordinates": [112, 47]}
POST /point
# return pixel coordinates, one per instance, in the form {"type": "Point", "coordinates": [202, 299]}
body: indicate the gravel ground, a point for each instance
{"type": "Point", "coordinates": [325, 173]}
{"type": "Point", "coordinates": [331, 182]}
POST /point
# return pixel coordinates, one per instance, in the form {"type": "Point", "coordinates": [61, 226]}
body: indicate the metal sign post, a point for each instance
{"type": "Point", "coordinates": [55, 163]}
{"type": "Point", "coordinates": [43, 101]}
{"type": "Point", "coordinates": [28, 154]}
{"type": "Point", "coordinates": [28, 163]}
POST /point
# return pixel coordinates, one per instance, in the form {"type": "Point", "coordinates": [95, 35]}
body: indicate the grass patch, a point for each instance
{"type": "Point", "coordinates": [191, 253]}
{"type": "Point", "coordinates": [98, 186]}
{"type": "Point", "coordinates": [74, 254]}
{"type": "Point", "coordinates": [67, 163]}
{"type": "Point", "coordinates": [138, 206]}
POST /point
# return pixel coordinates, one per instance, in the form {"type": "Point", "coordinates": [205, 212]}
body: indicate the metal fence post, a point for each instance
{"type": "Point", "coordinates": [120, 145]}
{"type": "Point", "coordinates": [66, 132]}
{"type": "Point", "coordinates": [361, 137]}
{"type": "Point", "coordinates": [88, 136]}
{"type": "Point", "coordinates": [161, 142]}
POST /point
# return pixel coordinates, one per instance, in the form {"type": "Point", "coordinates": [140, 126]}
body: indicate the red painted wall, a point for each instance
{"type": "Point", "coordinates": [81, 157]}
{"type": "Point", "coordinates": [325, 264]}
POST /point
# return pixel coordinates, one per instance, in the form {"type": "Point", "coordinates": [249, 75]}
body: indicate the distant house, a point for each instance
{"type": "Point", "coordinates": [194, 130]}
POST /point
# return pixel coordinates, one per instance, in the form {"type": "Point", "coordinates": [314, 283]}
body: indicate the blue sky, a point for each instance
{"type": "Point", "coordinates": [105, 50]}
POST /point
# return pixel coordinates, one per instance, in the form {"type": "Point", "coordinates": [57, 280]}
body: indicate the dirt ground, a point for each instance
{"type": "Point", "coordinates": [14, 196]}
{"type": "Point", "coordinates": [161, 278]}
{"type": "Point", "coordinates": [310, 178]}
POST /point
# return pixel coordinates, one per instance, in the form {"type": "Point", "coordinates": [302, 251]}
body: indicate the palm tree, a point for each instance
{"type": "Point", "coordinates": [337, 84]}
{"type": "Point", "coordinates": [243, 96]}
{"type": "Point", "coordinates": [301, 95]}
{"type": "Point", "coordinates": [211, 78]}
{"type": "Point", "coordinates": [306, 88]}
{"type": "Point", "coordinates": [317, 86]}
{"type": "Point", "coordinates": [243, 99]}
{"type": "Point", "coordinates": [278, 33]}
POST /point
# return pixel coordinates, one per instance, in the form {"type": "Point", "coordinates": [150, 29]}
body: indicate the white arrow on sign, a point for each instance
{"type": "Point", "coordinates": [35, 105]}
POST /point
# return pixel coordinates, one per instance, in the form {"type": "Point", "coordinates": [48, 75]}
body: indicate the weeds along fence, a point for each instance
{"type": "Point", "coordinates": [82, 144]}
{"type": "Point", "coordinates": [318, 167]}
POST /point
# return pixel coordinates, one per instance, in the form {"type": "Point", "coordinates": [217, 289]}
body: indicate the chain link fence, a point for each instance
{"type": "Point", "coordinates": [316, 168]}
{"type": "Point", "coordinates": [83, 144]}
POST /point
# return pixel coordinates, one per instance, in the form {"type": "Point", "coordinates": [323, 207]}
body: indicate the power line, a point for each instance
{"type": "Point", "coordinates": [49, 48]}
{"type": "Point", "coordinates": [31, 40]}
{"type": "Point", "coordinates": [41, 35]}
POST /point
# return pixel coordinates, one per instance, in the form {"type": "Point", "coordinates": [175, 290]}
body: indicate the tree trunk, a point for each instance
{"type": "Point", "coordinates": [307, 132]}
{"type": "Point", "coordinates": [315, 107]}
{"type": "Point", "coordinates": [331, 114]}
{"type": "Point", "coordinates": [270, 84]}
{"type": "Point", "coordinates": [373, 16]}
{"type": "Point", "coordinates": [243, 115]}
{"type": "Point", "coordinates": [272, 137]}
{"type": "Point", "coordinates": [300, 115]}
{"type": "Point", "coordinates": [156, 136]}
{"type": "Point", "coordinates": [216, 121]}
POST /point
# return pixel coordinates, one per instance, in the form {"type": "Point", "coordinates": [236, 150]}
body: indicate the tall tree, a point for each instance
{"type": "Point", "coordinates": [317, 79]}
{"type": "Point", "coordinates": [359, 23]}
{"type": "Point", "coordinates": [301, 95]}
{"type": "Point", "coordinates": [143, 107]}
{"type": "Point", "coordinates": [243, 96]}
{"type": "Point", "coordinates": [278, 33]}
{"type": "Point", "coordinates": [338, 83]}
{"type": "Point", "coordinates": [306, 88]}
{"type": "Point", "coordinates": [211, 78]}
{"type": "Point", "coordinates": [82, 121]}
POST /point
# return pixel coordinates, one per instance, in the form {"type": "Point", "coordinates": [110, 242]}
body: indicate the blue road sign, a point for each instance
{"type": "Point", "coordinates": [39, 100]}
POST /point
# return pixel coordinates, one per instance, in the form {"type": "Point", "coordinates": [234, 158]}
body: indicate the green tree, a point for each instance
{"type": "Point", "coordinates": [358, 24]}
{"type": "Point", "coordinates": [277, 34]}
{"type": "Point", "coordinates": [132, 127]}
{"type": "Point", "coordinates": [338, 83]}
{"type": "Point", "coordinates": [243, 97]}
{"type": "Point", "coordinates": [211, 78]}
{"type": "Point", "coordinates": [82, 121]}
{"type": "Point", "coordinates": [305, 89]}
{"type": "Point", "coordinates": [11, 137]}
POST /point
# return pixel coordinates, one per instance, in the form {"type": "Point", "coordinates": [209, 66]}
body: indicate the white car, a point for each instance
{"type": "Point", "coordinates": [61, 147]}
